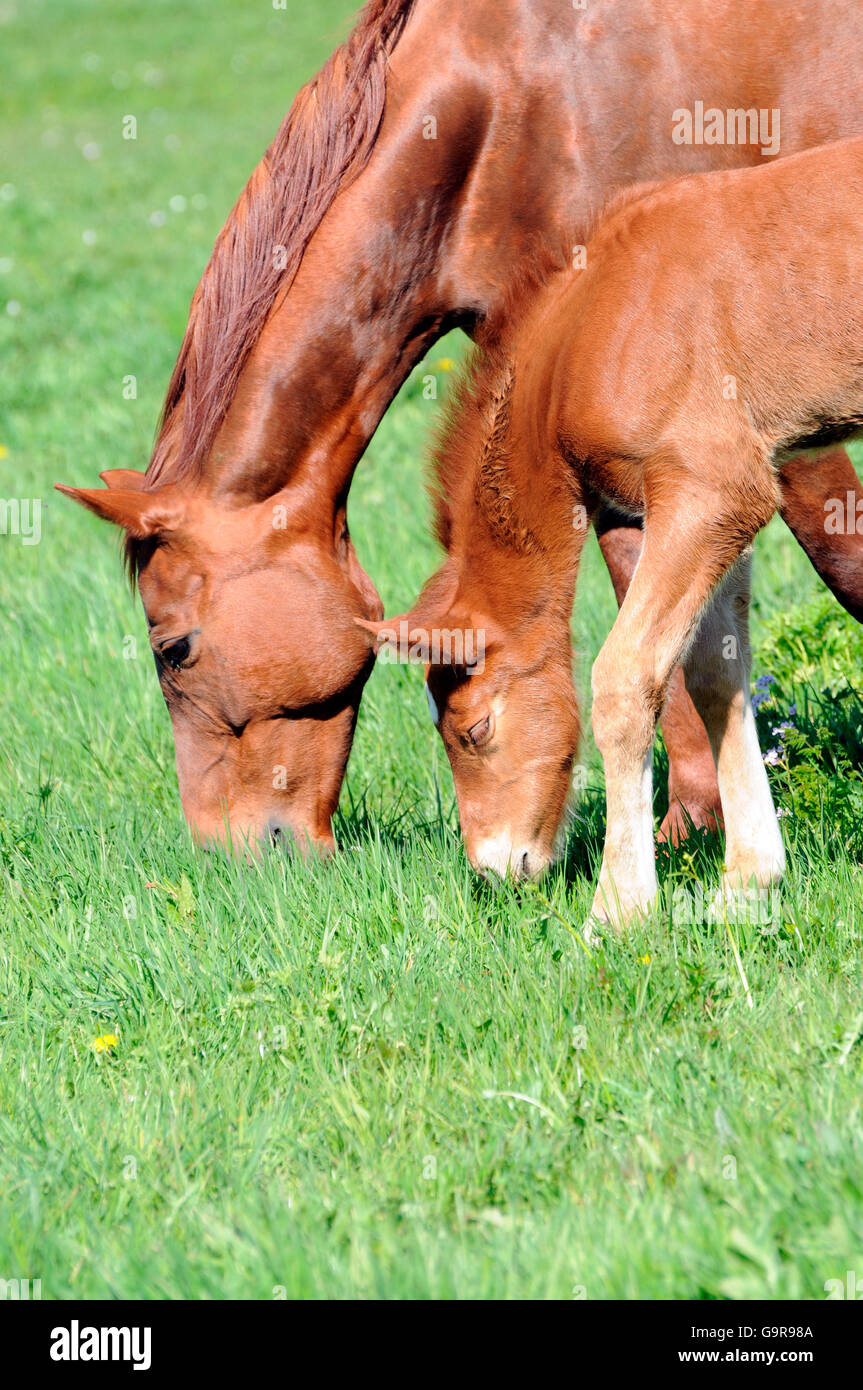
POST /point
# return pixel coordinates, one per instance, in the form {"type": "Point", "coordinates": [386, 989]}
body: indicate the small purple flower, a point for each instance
{"type": "Point", "coordinates": [773, 756]}
{"type": "Point", "coordinates": [762, 690]}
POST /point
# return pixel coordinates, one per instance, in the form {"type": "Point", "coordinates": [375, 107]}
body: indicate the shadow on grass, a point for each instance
{"type": "Point", "coordinates": [408, 828]}
{"type": "Point", "coordinates": [393, 827]}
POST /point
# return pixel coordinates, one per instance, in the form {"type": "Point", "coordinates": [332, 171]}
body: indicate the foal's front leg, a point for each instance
{"type": "Point", "coordinates": [690, 541]}
{"type": "Point", "coordinates": [693, 793]}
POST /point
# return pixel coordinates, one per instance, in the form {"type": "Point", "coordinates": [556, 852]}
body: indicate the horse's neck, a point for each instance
{"type": "Point", "coordinates": [403, 255]}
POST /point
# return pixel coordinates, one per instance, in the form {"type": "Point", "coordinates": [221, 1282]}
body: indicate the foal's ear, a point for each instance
{"type": "Point", "coordinates": [124, 479]}
{"type": "Point", "coordinates": [395, 633]}
{"type": "Point", "coordinates": [141, 514]}
{"type": "Point", "coordinates": [447, 639]}
{"type": "Point", "coordinates": [427, 615]}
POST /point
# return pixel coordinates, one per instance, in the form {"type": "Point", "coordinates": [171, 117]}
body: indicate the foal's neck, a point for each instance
{"type": "Point", "coordinates": [515, 519]}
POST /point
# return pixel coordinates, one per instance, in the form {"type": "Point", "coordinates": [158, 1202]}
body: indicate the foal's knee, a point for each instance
{"type": "Point", "coordinates": [626, 706]}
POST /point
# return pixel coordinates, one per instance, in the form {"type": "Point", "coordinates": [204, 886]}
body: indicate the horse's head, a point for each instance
{"type": "Point", "coordinates": [259, 663]}
{"type": "Point", "coordinates": [504, 704]}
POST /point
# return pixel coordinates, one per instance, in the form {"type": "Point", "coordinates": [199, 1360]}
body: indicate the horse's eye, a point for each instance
{"type": "Point", "coordinates": [481, 731]}
{"type": "Point", "coordinates": [175, 654]}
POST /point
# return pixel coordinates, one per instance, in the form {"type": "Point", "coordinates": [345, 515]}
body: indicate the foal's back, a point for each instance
{"type": "Point", "coordinates": [711, 304]}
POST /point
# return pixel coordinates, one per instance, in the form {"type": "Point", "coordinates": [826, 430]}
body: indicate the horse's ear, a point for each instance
{"type": "Point", "coordinates": [124, 479]}
{"type": "Point", "coordinates": [141, 514]}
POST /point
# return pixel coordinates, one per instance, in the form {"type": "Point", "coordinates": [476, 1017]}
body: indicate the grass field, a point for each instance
{"type": "Point", "coordinates": [376, 1077]}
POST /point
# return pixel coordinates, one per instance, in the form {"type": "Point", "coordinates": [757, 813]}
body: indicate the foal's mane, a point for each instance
{"type": "Point", "coordinates": [470, 458]}
{"type": "Point", "coordinates": [322, 145]}
{"type": "Point", "coordinates": [471, 447]}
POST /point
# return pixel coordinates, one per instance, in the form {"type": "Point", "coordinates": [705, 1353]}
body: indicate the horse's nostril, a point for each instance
{"type": "Point", "coordinates": [524, 865]}
{"type": "Point", "coordinates": [278, 837]}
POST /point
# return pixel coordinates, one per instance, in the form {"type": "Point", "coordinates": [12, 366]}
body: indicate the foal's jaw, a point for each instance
{"type": "Point", "coordinates": [498, 855]}
{"type": "Point", "coordinates": [511, 740]}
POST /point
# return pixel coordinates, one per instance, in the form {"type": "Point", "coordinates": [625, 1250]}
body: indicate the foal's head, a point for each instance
{"type": "Point", "coordinates": [503, 701]}
{"type": "Point", "coordinates": [492, 627]}
{"type": "Point", "coordinates": [260, 666]}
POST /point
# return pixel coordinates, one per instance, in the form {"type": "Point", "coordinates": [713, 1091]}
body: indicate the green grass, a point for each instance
{"type": "Point", "coordinates": [377, 1077]}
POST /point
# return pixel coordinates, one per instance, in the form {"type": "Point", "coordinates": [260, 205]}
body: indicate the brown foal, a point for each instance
{"type": "Point", "coordinates": [407, 184]}
{"type": "Point", "coordinates": [716, 328]}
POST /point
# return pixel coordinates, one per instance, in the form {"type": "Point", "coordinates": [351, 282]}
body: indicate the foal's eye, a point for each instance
{"type": "Point", "coordinates": [176, 653]}
{"type": "Point", "coordinates": [481, 731]}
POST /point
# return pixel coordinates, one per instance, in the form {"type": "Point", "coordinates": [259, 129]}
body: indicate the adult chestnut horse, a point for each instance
{"type": "Point", "coordinates": [407, 184]}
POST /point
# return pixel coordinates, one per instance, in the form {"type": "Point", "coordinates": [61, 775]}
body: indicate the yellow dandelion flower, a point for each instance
{"type": "Point", "coordinates": [645, 960]}
{"type": "Point", "coordinates": [446, 364]}
{"type": "Point", "coordinates": [4, 452]}
{"type": "Point", "coordinates": [105, 1042]}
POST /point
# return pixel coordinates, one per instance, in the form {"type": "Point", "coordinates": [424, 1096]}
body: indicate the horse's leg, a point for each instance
{"type": "Point", "coordinates": [693, 792]}
{"type": "Point", "coordinates": [809, 485]}
{"type": "Point", "coordinates": [691, 539]}
{"type": "Point", "coordinates": [717, 675]}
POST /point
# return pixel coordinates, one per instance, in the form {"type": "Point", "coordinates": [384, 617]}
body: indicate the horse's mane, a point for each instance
{"type": "Point", "coordinates": [322, 145]}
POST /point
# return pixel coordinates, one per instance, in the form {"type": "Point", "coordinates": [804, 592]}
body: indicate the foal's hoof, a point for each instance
{"type": "Point", "coordinates": [614, 912]}
{"type": "Point", "coordinates": [593, 930]}
{"type": "Point", "coordinates": [753, 898]}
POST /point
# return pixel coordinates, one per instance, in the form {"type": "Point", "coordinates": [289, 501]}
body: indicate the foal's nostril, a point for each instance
{"type": "Point", "coordinates": [524, 865]}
